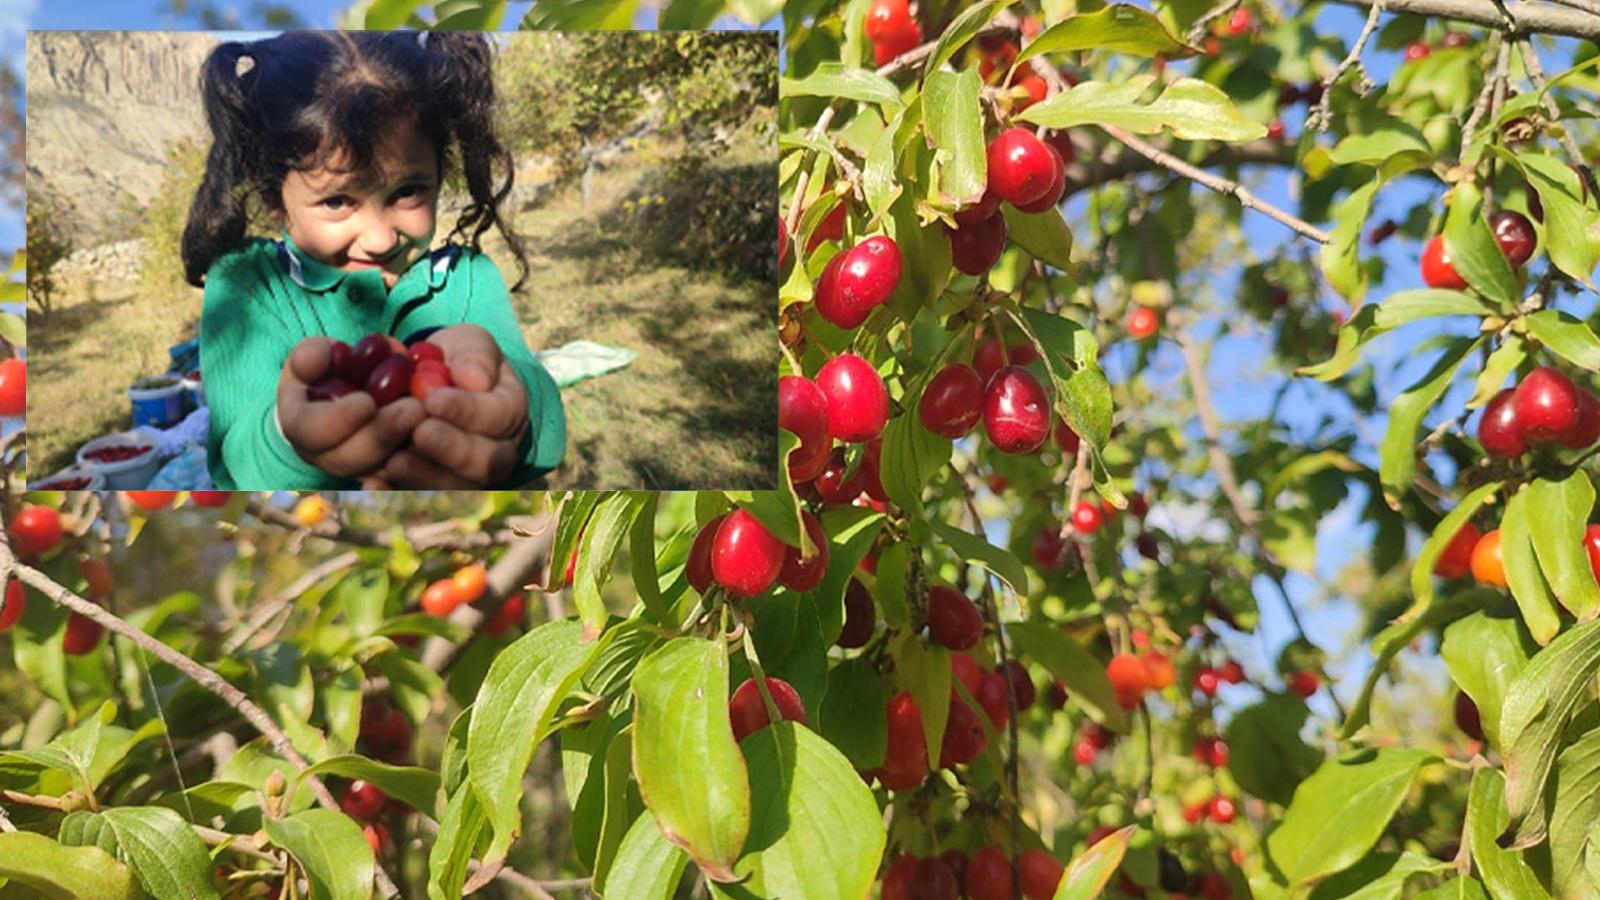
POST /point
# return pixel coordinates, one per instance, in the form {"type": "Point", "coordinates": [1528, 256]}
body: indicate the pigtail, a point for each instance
{"type": "Point", "coordinates": [461, 82]}
{"type": "Point", "coordinates": [217, 215]}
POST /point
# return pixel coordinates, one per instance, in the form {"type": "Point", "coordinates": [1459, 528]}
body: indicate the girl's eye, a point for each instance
{"type": "Point", "coordinates": [411, 192]}
{"type": "Point", "coordinates": [336, 203]}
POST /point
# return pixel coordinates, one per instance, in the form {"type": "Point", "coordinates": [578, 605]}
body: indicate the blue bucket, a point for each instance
{"type": "Point", "coordinates": [159, 407]}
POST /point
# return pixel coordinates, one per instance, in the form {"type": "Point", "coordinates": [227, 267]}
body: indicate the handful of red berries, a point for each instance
{"type": "Point", "coordinates": [1546, 407]}
{"type": "Point", "coordinates": [384, 368]}
{"type": "Point", "coordinates": [116, 453]}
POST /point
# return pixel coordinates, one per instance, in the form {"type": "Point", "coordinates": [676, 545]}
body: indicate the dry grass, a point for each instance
{"type": "Point", "coordinates": [697, 409]}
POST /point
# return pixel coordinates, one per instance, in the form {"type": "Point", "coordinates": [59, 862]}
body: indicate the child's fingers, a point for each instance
{"type": "Point", "coordinates": [314, 427]}
{"type": "Point", "coordinates": [473, 356]}
{"type": "Point", "coordinates": [479, 459]}
{"type": "Point", "coordinates": [499, 413]}
{"type": "Point", "coordinates": [408, 470]}
{"type": "Point", "coordinates": [308, 361]}
{"type": "Point", "coordinates": [365, 450]}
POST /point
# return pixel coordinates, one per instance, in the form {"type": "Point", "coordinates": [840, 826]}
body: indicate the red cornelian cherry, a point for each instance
{"type": "Point", "coordinates": [13, 603]}
{"type": "Point", "coordinates": [1239, 23]}
{"type": "Point", "coordinates": [509, 614]}
{"type": "Point", "coordinates": [1587, 429]}
{"type": "Point", "coordinates": [1206, 679]}
{"type": "Point", "coordinates": [748, 712]}
{"type": "Point", "coordinates": [964, 738]}
{"type": "Point", "coordinates": [1086, 517]}
{"type": "Point", "coordinates": [1016, 411]}
{"type": "Point", "coordinates": [1546, 404]}
{"type": "Point", "coordinates": [35, 530]}
{"type": "Point", "coordinates": [831, 484]}
{"type": "Point", "coordinates": [828, 300]}
{"type": "Point", "coordinates": [991, 696]}
{"type": "Point", "coordinates": [1437, 269]}
{"type": "Point", "coordinates": [803, 412]}
{"type": "Point", "coordinates": [1591, 543]}
{"type": "Point", "coordinates": [953, 620]}
{"type": "Point", "coordinates": [1221, 810]}
{"type": "Point", "coordinates": [892, 43]}
{"type": "Point", "coordinates": [800, 573]}
{"type": "Point", "coordinates": [1041, 874]}
{"type": "Point", "coordinates": [1515, 235]}
{"type": "Point", "coordinates": [975, 248]}
{"type": "Point", "coordinates": [1231, 672]}
{"type": "Point", "coordinates": [209, 498]}
{"type": "Point", "coordinates": [952, 402]}
{"type": "Point", "coordinates": [988, 875]}
{"type": "Point", "coordinates": [869, 274]}
{"type": "Point", "coordinates": [1057, 186]}
{"type": "Point", "coordinates": [1021, 168]}
{"type": "Point", "coordinates": [933, 880]}
{"type": "Point", "coordinates": [1456, 560]}
{"type": "Point", "coordinates": [1276, 130]}
{"type": "Point", "coordinates": [905, 758]}
{"type": "Point", "coordinates": [965, 669]}
{"type": "Point", "coordinates": [745, 557]}
{"type": "Point", "coordinates": [1047, 547]}
{"type": "Point", "coordinates": [1417, 50]}
{"type": "Point", "coordinates": [362, 800]}
{"type": "Point", "coordinates": [83, 635]}
{"type": "Point", "coordinates": [1303, 682]}
{"type": "Point", "coordinates": [13, 387]}
{"type": "Point", "coordinates": [698, 569]}
{"type": "Point", "coordinates": [1499, 430]}
{"type": "Point", "coordinates": [860, 616]}
{"type": "Point", "coordinates": [987, 359]}
{"type": "Point", "coordinates": [150, 501]}
{"type": "Point", "coordinates": [1021, 684]}
{"type": "Point", "coordinates": [1467, 717]}
{"type": "Point", "coordinates": [831, 228]}
{"type": "Point", "coordinates": [858, 400]}
{"type": "Point", "coordinates": [987, 205]}
{"type": "Point", "coordinates": [885, 17]}
{"type": "Point", "coordinates": [1143, 322]}
{"type": "Point", "coordinates": [897, 878]}
{"type": "Point", "coordinates": [1129, 680]}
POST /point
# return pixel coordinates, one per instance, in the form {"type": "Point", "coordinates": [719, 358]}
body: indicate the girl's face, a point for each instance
{"type": "Point", "coordinates": [379, 219]}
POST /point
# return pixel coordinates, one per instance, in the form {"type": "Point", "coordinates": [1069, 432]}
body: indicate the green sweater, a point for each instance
{"type": "Point", "coordinates": [266, 296]}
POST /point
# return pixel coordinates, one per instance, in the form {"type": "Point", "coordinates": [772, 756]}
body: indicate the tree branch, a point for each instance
{"type": "Point", "coordinates": [1323, 112]}
{"type": "Point", "coordinates": [1527, 18]}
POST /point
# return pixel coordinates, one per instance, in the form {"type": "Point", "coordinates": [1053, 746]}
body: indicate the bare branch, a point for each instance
{"type": "Point", "coordinates": [1527, 18]}
{"type": "Point", "coordinates": [1323, 113]}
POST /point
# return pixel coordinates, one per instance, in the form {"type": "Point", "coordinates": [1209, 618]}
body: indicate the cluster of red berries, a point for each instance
{"type": "Point", "coordinates": [1544, 408]}
{"type": "Point", "coordinates": [1012, 403]}
{"type": "Point", "coordinates": [905, 762]}
{"type": "Point", "coordinates": [740, 555]}
{"type": "Point", "coordinates": [1219, 809]}
{"type": "Point", "coordinates": [891, 29]}
{"type": "Point", "coordinates": [848, 402]}
{"type": "Point", "coordinates": [1422, 49]}
{"type": "Point", "coordinates": [1213, 751]}
{"type": "Point", "coordinates": [1025, 172]}
{"type": "Point", "coordinates": [857, 281]}
{"type": "Point", "coordinates": [117, 452]}
{"type": "Point", "coordinates": [383, 367]}
{"type": "Point", "coordinates": [1207, 678]}
{"type": "Point", "coordinates": [1092, 738]}
{"type": "Point", "coordinates": [986, 876]}
{"type": "Point", "coordinates": [465, 585]}
{"type": "Point", "coordinates": [1132, 676]}
{"type": "Point", "coordinates": [1471, 551]}
{"type": "Point", "coordinates": [1512, 232]}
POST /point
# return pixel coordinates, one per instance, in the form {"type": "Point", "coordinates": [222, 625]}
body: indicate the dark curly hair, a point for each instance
{"type": "Point", "coordinates": [295, 101]}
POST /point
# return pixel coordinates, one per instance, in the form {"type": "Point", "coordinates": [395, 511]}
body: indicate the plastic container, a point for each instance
{"type": "Point", "coordinates": [157, 401]}
{"type": "Point", "coordinates": [124, 474]}
{"type": "Point", "coordinates": [61, 481]}
{"type": "Point", "coordinates": [194, 393]}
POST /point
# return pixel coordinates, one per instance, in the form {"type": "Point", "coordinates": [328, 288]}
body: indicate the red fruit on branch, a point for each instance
{"type": "Point", "coordinates": [800, 573]}
{"type": "Point", "coordinates": [97, 576]}
{"type": "Point", "coordinates": [748, 712]}
{"type": "Point", "coordinates": [1488, 566]}
{"type": "Point", "coordinates": [12, 605]}
{"type": "Point", "coordinates": [869, 273]}
{"type": "Point", "coordinates": [1086, 517]}
{"type": "Point", "coordinates": [831, 228]}
{"type": "Point", "coordinates": [1040, 874]}
{"type": "Point", "coordinates": [35, 530]}
{"type": "Point", "coordinates": [1591, 544]}
{"type": "Point", "coordinates": [509, 614]}
{"type": "Point", "coordinates": [439, 598]}
{"type": "Point", "coordinates": [1437, 270]}
{"type": "Point", "coordinates": [13, 387]}
{"type": "Point", "coordinates": [1515, 235]}
{"type": "Point", "coordinates": [1587, 429]}
{"type": "Point", "coordinates": [697, 571]}
{"type": "Point", "coordinates": [1467, 719]}
{"type": "Point", "coordinates": [1206, 681]}
{"type": "Point", "coordinates": [362, 800]}
{"type": "Point", "coordinates": [1303, 682]}
{"type": "Point", "coordinates": [1047, 547]}
{"type": "Point", "coordinates": [150, 501]}
{"type": "Point", "coordinates": [1057, 185]}
{"type": "Point", "coordinates": [964, 738]}
{"type": "Point", "coordinates": [988, 357]}
{"type": "Point", "coordinates": [1231, 672]}
{"type": "Point", "coordinates": [83, 635]}
{"type": "Point", "coordinates": [975, 248]}
{"type": "Point", "coordinates": [933, 880]}
{"type": "Point", "coordinates": [858, 400]}
{"type": "Point", "coordinates": [992, 697]}
{"type": "Point", "coordinates": [897, 878]}
{"type": "Point", "coordinates": [987, 206]}
{"type": "Point", "coordinates": [1158, 669]}
{"type": "Point", "coordinates": [1021, 168]}
{"type": "Point", "coordinates": [1021, 684]}
{"type": "Point", "coordinates": [803, 412]}
{"type": "Point", "coordinates": [1221, 810]}
{"type": "Point", "coordinates": [831, 484]}
{"type": "Point", "coordinates": [860, 616]}
{"type": "Point", "coordinates": [829, 302]}
{"type": "Point", "coordinates": [989, 875]}
{"type": "Point", "coordinates": [1128, 678]}
{"type": "Point", "coordinates": [1455, 39]}
{"type": "Point", "coordinates": [1016, 411]}
{"type": "Point", "coordinates": [1143, 322]}
{"type": "Point", "coordinates": [893, 44]}
{"type": "Point", "coordinates": [1416, 50]}
{"type": "Point", "coordinates": [1499, 431]}
{"type": "Point", "coordinates": [1276, 130]}
{"type": "Point", "coordinates": [905, 758]}
{"type": "Point", "coordinates": [952, 402]}
{"type": "Point", "coordinates": [745, 557]}
{"type": "Point", "coordinates": [953, 620]}
{"type": "Point", "coordinates": [1240, 22]}
{"type": "Point", "coordinates": [1546, 404]}
{"type": "Point", "coordinates": [1456, 559]}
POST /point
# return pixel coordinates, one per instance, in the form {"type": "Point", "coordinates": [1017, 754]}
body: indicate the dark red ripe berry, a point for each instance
{"type": "Point", "coordinates": [748, 712]}
{"type": "Point", "coordinates": [964, 737]}
{"type": "Point", "coordinates": [339, 360]}
{"type": "Point", "coordinates": [905, 758]}
{"type": "Point", "coordinates": [1515, 235]}
{"type": "Point", "coordinates": [987, 360]}
{"type": "Point", "coordinates": [1499, 430]}
{"type": "Point", "coordinates": [11, 605]}
{"type": "Point", "coordinates": [1587, 431]}
{"type": "Point", "coordinates": [13, 387]}
{"type": "Point", "coordinates": [1143, 322]}
{"type": "Point", "coordinates": [831, 228]}
{"type": "Point", "coordinates": [83, 634]}
{"type": "Point", "coordinates": [1086, 517]}
{"type": "Point", "coordinates": [965, 669]}
{"type": "Point", "coordinates": [1467, 718]}
{"type": "Point", "coordinates": [957, 861]}
{"type": "Point", "coordinates": [1016, 411]}
{"type": "Point", "coordinates": [803, 574]}
{"type": "Point", "coordinates": [1058, 184]}
{"type": "Point", "coordinates": [953, 401]}
{"type": "Point", "coordinates": [987, 206]}
{"type": "Point", "coordinates": [1041, 874]}
{"type": "Point", "coordinates": [829, 301]}
{"type": "Point", "coordinates": [975, 248]}
{"type": "Point", "coordinates": [745, 557]}
{"type": "Point", "coordinates": [897, 878]}
{"type": "Point", "coordinates": [1303, 682]}
{"type": "Point", "coordinates": [1206, 680]}
{"type": "Point", "coordinates": [35, 530]}
{"type": "Point", "coordinates": [933, 880]}
{"type": "Point", "coordinates": [391, 380]}
{"type": "Point", "coordinates": [1456, 560]}
{"type": "Point", "coordinates": [803, 411]}
{"type": "Point", "coordinates": [1239, 23]}
{"type": "Point", "coordinates": [1546, 404]}
{"type": "Point", "coordinates": [329, 389]}
{"type": "Point", "coordinates": [1221, 810]}
{"type": "Point", "coordinates": [869, 274]}
{"type": "Point", "coordinates": [1213, 886]}
{"type": "Point", "coordinates": [989, 875]}
{"type": "Point", "coordinates": [368, 353]}
{"type": "Point", "coordinates": [860, 616]}
{"type": "Point", "coordinates": [1416, 50]}
{"type": "Point", "coordinates": [1231, 672]}
{"type": "Point", "coordinates": [698, 569]}
{"type": "Point", "coordinates": [1021, 168]}
{"type": "Point", "coordinates": [991, 696]}
{"type": "Point", "coordinates": [385, 731]}
{"type": "Point", "coordinates": [1437, 270]}
{"type": "Point", "coordinates": [858, 401]}
{"type": "Point", "coordinates": [953, 620]}
{"type": "Point", "coordinates": [362, 800]}
{"type": "Point", "coordinates": [1047, 547]}
{"type": "Point", "coordinates": [1066, 439]}
{"type": "Point", "coordinates": [422, 350]}
{"type": "Point", "coordinates": [831, 485]}
{"type": "Point", "coordinates": [1275, 129]}
{"type": "Point", "coordinates": [1021, 684]}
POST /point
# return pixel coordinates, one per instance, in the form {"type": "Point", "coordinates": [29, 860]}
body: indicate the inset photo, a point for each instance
{"type": "Point", "coordinates": [396, 260]}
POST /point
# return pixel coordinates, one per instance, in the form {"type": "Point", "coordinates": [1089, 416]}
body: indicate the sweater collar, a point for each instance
{"type": "Point", "coordinates": [315, 275]}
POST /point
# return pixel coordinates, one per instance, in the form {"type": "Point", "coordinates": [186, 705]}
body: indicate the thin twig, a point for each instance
{"type": "Point", "coordinates": [1527, 18]}
{"type": "Point", "coordinates": [270, 608]}
{"type": "Point", "coordinates": [1197, 31]}
{"type": "Point", "coordinates": [1530, 62]}
{"type": "Point", "coordinates": [1502, 62]}
{"type": "Point", "coordinates": [1323, 114]}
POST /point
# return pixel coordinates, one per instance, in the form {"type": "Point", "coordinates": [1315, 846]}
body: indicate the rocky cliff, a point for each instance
{"type": "Point", "coordinates": [103, 109]}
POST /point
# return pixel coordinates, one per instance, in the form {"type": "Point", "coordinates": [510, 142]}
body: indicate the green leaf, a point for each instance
{"type": "Point", "coordinates": [1083, 675]}
{"type": "Point", "coordinates": [415, 786]}
{"type": "Point", "coordinates": [1045, 236]}
{"type": "Point", "coordinates": [1523, 575]}
{"type": "Point", "coordinates": [36, 862]}
{"type": "Point", "coordinates": [362, 595]}
{"type": "Point", "coordinates": [514, 712]}
{"type": "Point", "coordinates": [461, 833]}
{"type": "Point", "coordinates": [571, 519]}
{"type": "Point", "coordinates": [833, 80]}
{"type": "Point", "coordinates": [1575, 793]}
{"type": "Point", "coordinates": [647, 866]}
{"type": "Point", "coordinates": [1088, 874]}
{"type": "Point", "coordinates": [778, 511]}
{"type": "Point", "coordinates": [1569, 223]}
{"type": "Point", "coordinates": [855, 685]}
{"type": "Point", "coordinates": [642, 551]}
{"type": "Point", "coordinates": [1083, 395]}
{"type": "Point", "coordinates": [689, 769]}
{"type": "Point", "coordinates": [1485, 652]}
{"type": "Point", "coordinates": [911, 456]}
{"type": "Point", "coordinates": [878, 175]}
{"type": "Point", "coordinates": [13, 329]}
{"type": "Point", "coordinates": [607, 530]}
{"type": "Point", "coordinates": [1501, 363]}
{"type": "Point", "coordinates": [1340, 811]}
{"type": "Point", "coordinates": [165, 854]}
{"type": "Point", "coordinates": [1266, 756]}
{"type": "Point", "coordinates": [1558, 540]}
{"type": "Point", "coordinates": [1569, 338]}
{"type": "Point", "coordinates": [1374, 146]}
{"type": "Point", "coordinates": [1375, 319]}
{"type": "Point", "coordinates": [1378, 876]}
{"type": "Point", "coordinates": [975, 549]}
{"type": "Point", "coordinates": [815, 829]}
{"type": "Point", "coordinates": [1458, 888]}
{"type": "Point", "coordinates": [1422, 570]}
{"type": "Point", "coordinates": [387, 15]}
{"type": "Point", "coordinates": [1120, 28]}
{"type": "Point", "coordinates": [1398, 454]}
{"type": "Point", "coordinates": [330, 848]}
{"type": "Point", "coordinates": [1473, 250]}
{"type": "Point", "coordinates": [890, 586]}
{"type": "Point", "coordinates": [925, 258]}
{"type": "Point", "coordinates": [851, 531]}
{"type": "Point", "coordinates": [1398, 635]}
{"type": "Point", "coordinates": [470, 15]}
{"type": "Point", "coordinates": [1341, 258]}
{"type": "Point", "coordinates": [963, 28]}
{"type": "Point", "coordinates": [580, 15]}
{"type": "Point", "coordinates": [1538, 706]}
{"type": "Point", "coordinates": [1193, 110]}
{"type": "Point", "coordinates": [1505, 871]}
{"type": "Point", "coordinates": [954, 122]}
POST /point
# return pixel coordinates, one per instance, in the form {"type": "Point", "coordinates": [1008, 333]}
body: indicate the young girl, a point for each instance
{"type": "Point", "coordinates": [345, 138]}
